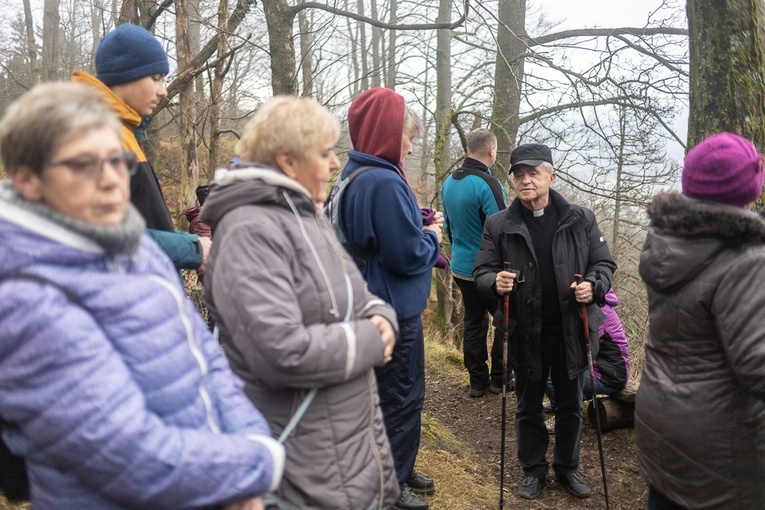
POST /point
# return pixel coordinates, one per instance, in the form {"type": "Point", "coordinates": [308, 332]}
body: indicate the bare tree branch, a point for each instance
{"type": "Point", "coordinates": [197, 63]}
{"type": "Point", "coordinates": [600, 32]}
{"type": "Point", "coordinates": [165, 5]}
{"type": "Point", "coordinates": [381, 24]}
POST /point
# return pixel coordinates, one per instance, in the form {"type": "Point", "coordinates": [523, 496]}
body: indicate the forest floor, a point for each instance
{"type": "Point", "coordinates": [474, 424]}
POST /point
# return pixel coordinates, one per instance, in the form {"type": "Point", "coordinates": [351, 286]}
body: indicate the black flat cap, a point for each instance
{"type": "Point", "coordinates": [530, 154]}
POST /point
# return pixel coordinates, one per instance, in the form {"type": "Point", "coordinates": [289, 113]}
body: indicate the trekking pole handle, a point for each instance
{"type": "Point", "coordinates": [579, 279]}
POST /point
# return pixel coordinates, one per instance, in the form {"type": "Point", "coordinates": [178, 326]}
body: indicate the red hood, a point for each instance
{"type": "Point", "coordinates": [376, 124]}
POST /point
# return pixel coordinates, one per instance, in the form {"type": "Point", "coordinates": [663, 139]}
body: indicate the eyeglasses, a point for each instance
{"type": "Point", "coordinates": [90, 167]}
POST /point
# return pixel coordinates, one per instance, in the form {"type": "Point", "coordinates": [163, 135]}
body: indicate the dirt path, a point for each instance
{"type": "Point", "coordinates": [477, 423]}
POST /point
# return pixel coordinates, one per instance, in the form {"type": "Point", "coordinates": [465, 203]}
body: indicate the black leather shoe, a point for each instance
{"type": "Point", "coordinates": [530, 487]}
{"type": "Point", "coordinates": [575, 484]}
{"type": "Point", "coordinates": [421, 484]}
{"type": "Point", "coordinates": [477, 392]}
{"type": "Point", "coordinates": [408, 500]}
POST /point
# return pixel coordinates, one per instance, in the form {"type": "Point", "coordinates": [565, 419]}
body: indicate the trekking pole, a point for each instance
{"type": "Point", "coordinates": [505, 322]}
{"type": "Point", "coordinates": [588, 350]}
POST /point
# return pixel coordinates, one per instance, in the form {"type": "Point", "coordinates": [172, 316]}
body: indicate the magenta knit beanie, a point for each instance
{"type": "Point", "coordinates": [724, 168]}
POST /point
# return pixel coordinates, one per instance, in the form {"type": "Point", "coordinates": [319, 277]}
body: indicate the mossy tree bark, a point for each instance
{"type": "Point", "coordinates": [727, 86]}
{"type": "Point", "coordinates": [445, 302]}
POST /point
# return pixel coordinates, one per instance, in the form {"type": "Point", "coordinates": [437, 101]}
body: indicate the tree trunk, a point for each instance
{"type": "Point", "coordinates": [279, 18]}
{"type": "Point", "coordinates": [216, 91]}
{"type": "Point", "coordinates": [195, 39]}
{"type": "Point", "coordinates": [508, 78]}
{"type": "Point", "coordinates": [186, 109]}
{"type": "Point", "coordinates": [390, 68]}
{"type": "Point", "coordinates": [445, 305]}
{"type": "Point", "coordinates": [376, 44]}
{"type": "Point", "coordinates": [306, 57]}
{"type": "Point", "coordinates": [97, 10]}
{"type": "Point", "coordinates": [727, 87]}
{"type": "Point", "coordinates": [619, 169]}
{"type": "Point", "coordinates": [363, 48]}
{"type": "Point", "coordinates": [31, 46]}
{"type": "Point", "coordinates": [50, 40]}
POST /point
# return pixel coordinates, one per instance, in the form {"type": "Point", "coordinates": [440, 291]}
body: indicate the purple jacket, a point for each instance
{"type": "Point", "coordinates": [612, 365]}
{"type": "Point", "coordinates": [117, 395]}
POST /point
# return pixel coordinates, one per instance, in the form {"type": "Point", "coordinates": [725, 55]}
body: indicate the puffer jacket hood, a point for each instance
{"type": "Point", "coordinates": [376, 124]}
{"type": "Point", "coordinates": [251, 184]}
{"type": "Point", "coordinates": [712, 226]}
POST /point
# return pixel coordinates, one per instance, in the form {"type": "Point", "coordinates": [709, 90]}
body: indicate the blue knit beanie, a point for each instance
{"type": "Point", "coordinates": [129, 53]}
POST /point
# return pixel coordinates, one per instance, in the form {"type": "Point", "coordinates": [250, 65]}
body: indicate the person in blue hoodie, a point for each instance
{"type": "Point", "coordinates": [111, 386]}
{"type": "Point", "coordinates": [396, 254]}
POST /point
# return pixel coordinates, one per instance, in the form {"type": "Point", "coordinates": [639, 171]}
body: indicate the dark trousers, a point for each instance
{"type": "Point", "coordinates": [533, 438]}
{"type": "Point", "coordinates": [658, 501]}
{"type": "Point", "coordinates": [477, 312]}
{"type": "Point", "coordinates": [401, 384]}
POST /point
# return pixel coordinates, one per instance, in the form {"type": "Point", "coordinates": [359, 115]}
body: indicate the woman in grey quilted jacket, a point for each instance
{"type": "Point", "coordinates": [700, 409]}
{"type": "Point", "coordinates": [295, 314]}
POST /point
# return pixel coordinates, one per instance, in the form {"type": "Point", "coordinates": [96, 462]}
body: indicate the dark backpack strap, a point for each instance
{"type": "Point", "coordinates": [14, 482]}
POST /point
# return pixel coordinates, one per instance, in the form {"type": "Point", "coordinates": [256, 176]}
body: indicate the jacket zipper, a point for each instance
{"type": "Point", "coordinates": [334, 310]}
{"type": "Point", "coordinates": [198, 356]}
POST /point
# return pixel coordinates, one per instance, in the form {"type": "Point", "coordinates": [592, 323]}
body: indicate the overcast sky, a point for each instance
{"type": "Point", "coordinates": [610, 13]}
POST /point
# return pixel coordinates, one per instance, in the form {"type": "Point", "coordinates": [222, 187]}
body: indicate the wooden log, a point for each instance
{"type": "Point", "coordinates": [613, 413]}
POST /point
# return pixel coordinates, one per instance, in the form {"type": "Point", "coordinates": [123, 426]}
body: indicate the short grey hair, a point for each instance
{"type": "Point", "coordinates": [295, 125]}
{"type": "Point", "coordinates": [46, 117]}
{"type": "Point", "coordinates": [479, 140]}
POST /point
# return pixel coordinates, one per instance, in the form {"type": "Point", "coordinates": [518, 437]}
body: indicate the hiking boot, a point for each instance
{"type": "Point", "coordinates": [496, 385]}
{"type": "Point", "coordinates": [575, 484]}
{"type": "Point", "coordinates": [550, 424]}
{"type": "Point", "coordinates": [476, 392]}
{"type": "Point", "coordinates": [530, 487]}
{"type": "Point", "coordinates": [408, 500]}
{"type": "Point", "coordinates": [421, 484]}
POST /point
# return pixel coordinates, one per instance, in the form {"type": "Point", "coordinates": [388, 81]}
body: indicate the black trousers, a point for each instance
{"type": "Point", "coordinates": [401, 385]}
{"type": "Point", "coordinates": [474, 337]}
{"type": "Point", "coordinates": [533, 438]}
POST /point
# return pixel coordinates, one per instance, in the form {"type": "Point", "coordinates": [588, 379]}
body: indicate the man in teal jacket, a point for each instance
{"type": "Point", "coordinates": [470, 195]}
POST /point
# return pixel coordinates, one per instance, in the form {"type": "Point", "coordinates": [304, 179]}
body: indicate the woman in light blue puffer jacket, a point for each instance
{"type": "Point", "coordinates": [111, 386]}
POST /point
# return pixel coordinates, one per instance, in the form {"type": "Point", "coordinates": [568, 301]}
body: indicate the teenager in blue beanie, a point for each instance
{"type": "Point", "coordinates": [131, 65]}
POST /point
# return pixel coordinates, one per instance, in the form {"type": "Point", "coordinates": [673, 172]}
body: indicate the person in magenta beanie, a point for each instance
{"type": "Point", "coordinates": [700, 409]}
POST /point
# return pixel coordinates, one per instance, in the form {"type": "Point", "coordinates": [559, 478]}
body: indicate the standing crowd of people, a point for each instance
{"type": "Point", "coordinates": [116, 394]}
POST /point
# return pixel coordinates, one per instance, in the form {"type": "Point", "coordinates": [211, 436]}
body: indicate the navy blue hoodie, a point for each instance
{"type": "Point", "coordinates": [380, 212]}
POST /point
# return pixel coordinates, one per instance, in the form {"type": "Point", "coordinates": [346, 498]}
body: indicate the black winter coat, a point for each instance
{"type": "Point", "coordinates": [578, 248]}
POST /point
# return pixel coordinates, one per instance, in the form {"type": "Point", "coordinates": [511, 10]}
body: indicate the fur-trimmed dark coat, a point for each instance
{"type": "Point", "coordinates": [700, 412]}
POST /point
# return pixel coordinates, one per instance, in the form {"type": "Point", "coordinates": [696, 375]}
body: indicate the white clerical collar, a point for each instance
{"type": "Point", "coordinates": [539, 213]}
